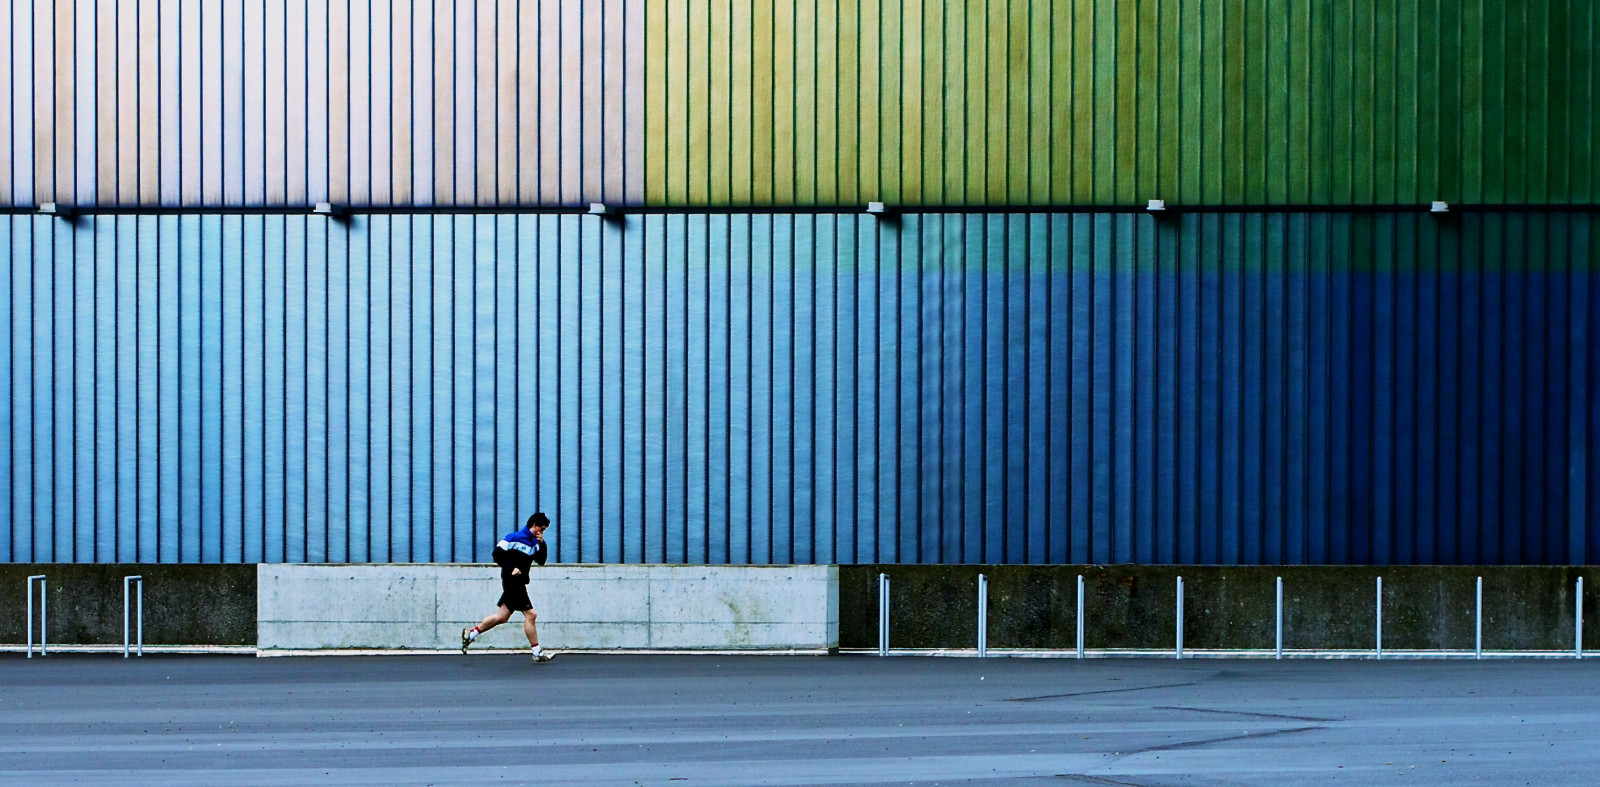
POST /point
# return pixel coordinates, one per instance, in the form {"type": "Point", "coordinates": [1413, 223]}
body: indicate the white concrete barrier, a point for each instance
{"type": "Point", "coordinates": [425, 606]}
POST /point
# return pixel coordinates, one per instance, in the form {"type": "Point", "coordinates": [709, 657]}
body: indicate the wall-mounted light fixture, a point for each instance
{"type": "Point", "coordinates": [326, 209]}
{"type": "Point", "coordinates": [1156, 206]}
{"type": "Point", "coordinates": [1439, 206]}
{"type": "Point", "coordinates": [877, 209]}
{"type": "Point", "coordinates": [55, 209]}
{"type": "Point", "coordinates": [599, 209]}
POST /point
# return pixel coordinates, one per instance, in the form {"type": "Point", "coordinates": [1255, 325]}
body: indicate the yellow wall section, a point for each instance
{"type": "Point", "coordinates": [1093, 102]}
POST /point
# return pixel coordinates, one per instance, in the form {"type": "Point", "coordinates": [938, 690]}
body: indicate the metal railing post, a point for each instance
{"type": "Point", "coordinates": [883, 614]}
{"type": "Point", "coordinates": [1577, 621]}
{"type": "Point", "coordinates": [126, 582]}
{"type": "Point", "coordinates": [1279, 639]}
{"type": "Point", "coordinates": [983, 616]}
{"type": "Point", "coordinates": [1177, 652]}
{"type": "Point", "coordinates": [44, 620]}
{"type": "Point", "coordinates": [1477, 647]}
{"type": "Point", "coordinates": [1378, 649]}
{"type": "Point", "coordinates": [1080, 616]}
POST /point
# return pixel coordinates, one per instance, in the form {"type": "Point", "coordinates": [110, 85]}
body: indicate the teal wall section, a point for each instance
{"type": "Point", "coordinates": [815, 388]}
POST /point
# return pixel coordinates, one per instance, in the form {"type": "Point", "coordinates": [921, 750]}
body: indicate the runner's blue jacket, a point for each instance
{"type": "Point", "coordinates": [519, 549]}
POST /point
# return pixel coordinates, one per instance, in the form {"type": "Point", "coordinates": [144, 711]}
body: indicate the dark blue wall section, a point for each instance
{"type": "Point", "coordinates": [1243, 388]}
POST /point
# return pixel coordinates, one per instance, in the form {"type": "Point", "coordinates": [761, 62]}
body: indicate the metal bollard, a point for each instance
{"type": "Point", "coordinates": [883, 614]}
{"type": "Point", "coordinates": [983, 616]}
{"type": "Point", "coordinates": [1378, 650]}
{"type": "Point", "coordinates": [1177, 652]}
{"type": "Point", "coordinates": [1477, 647]}
{"type": "Point", "coordinates": [126, 581]}
{"type": "Point", "coordinates": [43, 617]}
{"type": "Point", "coordinates": [1080, 616]}
{"type": "Point", "coordinates": [1280, 620]}
{"type": "Point", "coordinates": [1577, 621]}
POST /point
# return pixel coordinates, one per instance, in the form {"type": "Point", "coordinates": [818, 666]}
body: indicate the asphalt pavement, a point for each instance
{"type": "Point", "coordinates": [696, 719]}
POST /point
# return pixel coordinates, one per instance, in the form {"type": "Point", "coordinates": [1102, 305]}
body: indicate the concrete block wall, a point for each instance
{"type": "Point", "coordinates": [424, 606]}
{"type": "Point", "coordinates": [184, 604]}
{"type": "Point", "coordinates": [1326, 608]}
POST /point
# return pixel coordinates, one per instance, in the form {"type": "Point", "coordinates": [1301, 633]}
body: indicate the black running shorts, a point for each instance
{"type": "Point", "coordinates": [514, 596]}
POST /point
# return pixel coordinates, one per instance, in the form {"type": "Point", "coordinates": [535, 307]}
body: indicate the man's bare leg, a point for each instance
{"type": "Point", "coordinates": [468, 636]}
{"type": "Point", "coordinates": [529, 628]}
{"type": "Point", "coordinates": [495, 618]}
{"type": "Point", "coordinates": [532, 630]}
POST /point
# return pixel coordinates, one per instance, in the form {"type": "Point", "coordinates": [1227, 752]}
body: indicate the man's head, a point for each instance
{"type": "Point", "coordinates": [538, 522]}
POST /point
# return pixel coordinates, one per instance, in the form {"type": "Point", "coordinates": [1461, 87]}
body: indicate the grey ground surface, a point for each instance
{"type": "Point", "coordinates": [794, 720]}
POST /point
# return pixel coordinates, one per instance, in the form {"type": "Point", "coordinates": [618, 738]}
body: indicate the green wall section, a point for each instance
{"type": "Point", "coordinates": [1092, 102]}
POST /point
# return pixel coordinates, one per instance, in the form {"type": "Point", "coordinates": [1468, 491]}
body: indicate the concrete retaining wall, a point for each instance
{"type": "Point", "coordinates": [805, 607]}
{"type": "Point", "coordinates": [579, 606]}
{"type": "Point", "coordinates": [185, 604]}
{"type": "Point", "coordinates": [1226, 607]}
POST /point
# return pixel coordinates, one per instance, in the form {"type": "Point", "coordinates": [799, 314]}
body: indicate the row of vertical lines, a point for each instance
{"type": "Point", "coordinates": [1049, 388]}
{"type": "Point", "coordinates": [797, 102]}
{"type": "Point", "coordinates": [364, 102]}
{"type": "Point", "coordinates": [1094, 102]}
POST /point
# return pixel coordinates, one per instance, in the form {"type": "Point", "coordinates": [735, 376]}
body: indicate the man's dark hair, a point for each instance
{"type": "Point", "coordinates": [539, 519]}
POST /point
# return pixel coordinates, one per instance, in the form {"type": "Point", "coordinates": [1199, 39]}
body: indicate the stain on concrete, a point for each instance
{"type": "Point", "coordinates": [1134, 607]}
{"type": "Point", "coordinates": [184, 604]}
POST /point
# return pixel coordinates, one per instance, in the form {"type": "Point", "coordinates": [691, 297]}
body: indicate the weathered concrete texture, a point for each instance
{"type": "Point", "coordinates": [713, 720]}
{"type": "Point", "coordinates": [426, 606]}
{"type": "Point", "coordinates": [184, 604]}
{"type": "Point", "coordinates": [1325, 607]}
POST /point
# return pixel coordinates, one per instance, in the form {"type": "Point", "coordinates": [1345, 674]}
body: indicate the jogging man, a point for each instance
{"type": "Point", "coordinates": [516, 553]}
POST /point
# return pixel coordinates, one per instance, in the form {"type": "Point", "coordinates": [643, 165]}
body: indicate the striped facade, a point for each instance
{"type": "Point", "coordinates": [1093, 102]}
{"type": "Point", "coordinates": [1018, 367]}
{"type": "Point", "coordinates": [797, 102]}
{"type": "Point", "coordinates": [1081, 388]}
{"type": "Point", "coordinates": [289, 102]}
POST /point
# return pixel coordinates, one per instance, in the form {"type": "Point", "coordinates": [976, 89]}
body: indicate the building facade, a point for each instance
{"type": "Point", "coordinates": [1298, 360]}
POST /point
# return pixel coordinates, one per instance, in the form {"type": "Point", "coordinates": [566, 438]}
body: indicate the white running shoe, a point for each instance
{"type": "Point", "coordinates": [542, 657]}
{"type": "Point", "coordinates": [466, 640]}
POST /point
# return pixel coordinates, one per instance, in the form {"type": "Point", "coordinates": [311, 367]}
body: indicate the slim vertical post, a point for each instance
{"type": "Point", "coordinates": [1080, 616]}
{"type": "Point", "coordinates": [1577, 621]}
{"type": "Point", "coordinates": [1378, 650]}
{"type": "Point", "coordinates": [883, 614]}
{"type": "Point", "coordinates": [1279, 648]}
{"type": "Point", "coordinates": [126, 611]}
{"type": "Point", "coordinates": [1477, 647]}
{"type": "Point", "coordinates": [983, 616]}
{"type": "Point", "coordinates": [44, 620]}
{"type": "Point", "coordinates": [1177, 652]}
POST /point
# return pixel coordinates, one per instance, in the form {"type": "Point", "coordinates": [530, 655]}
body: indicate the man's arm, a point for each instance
{"type": "Point", "coordinates": [512, 559]}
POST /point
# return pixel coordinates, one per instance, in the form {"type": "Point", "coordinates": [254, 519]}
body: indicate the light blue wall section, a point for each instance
{"type": "Point", "coordinates": [1257, 388]}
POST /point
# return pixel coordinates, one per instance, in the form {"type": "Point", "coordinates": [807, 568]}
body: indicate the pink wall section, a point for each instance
{"type": "Point", "coordinates": [361, 102]}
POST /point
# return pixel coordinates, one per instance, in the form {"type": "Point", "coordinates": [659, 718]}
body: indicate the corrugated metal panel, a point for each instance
{"type": "Point", "coordinates": [1220, 388]}
{"type": "Point", "coordinates": [809, 102]}
{"type": "Point", "coordinates": [367, 102]}
{"type": "Point", "coordinates": [1093, 102]}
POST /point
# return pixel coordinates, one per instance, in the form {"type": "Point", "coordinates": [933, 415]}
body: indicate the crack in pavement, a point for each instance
{"type": "Point", "coordinates": [1101, 691]}
{"type": "Point", "coordinates": [1244, 713]}
{"type": "Point", "coordinates": [1084, 777]}
{"type": "Point", "coordinates": [1223, 739]}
